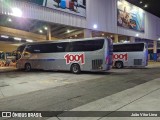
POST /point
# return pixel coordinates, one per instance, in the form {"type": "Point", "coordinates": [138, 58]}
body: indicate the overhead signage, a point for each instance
{"type": "Point", "coordinates": [130, 16]}
{"type": "Point", "coordinates": [77, 7]}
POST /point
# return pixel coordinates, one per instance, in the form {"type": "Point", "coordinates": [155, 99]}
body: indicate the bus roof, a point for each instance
{"type": "Point", "coordinates": [128, 43]}
{"type": "Point", "coordinates": [64, 40]}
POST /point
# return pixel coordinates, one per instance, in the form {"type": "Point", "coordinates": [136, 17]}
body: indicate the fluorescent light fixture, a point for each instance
{"type": "Point", "coordinates": [16, 12]}
{"type": "Point", "coordinates": [68, 31]}
{"type": "Point", "coordinates": [95, 26]}
{"type": "Point", "coordinates": [4, 36]}
{"type": "Point", "coordinates": [28, 40]}
{"type": "Point", "coordinates": [9, 19]}
{"type": "Point", "coordinates": [146, 6]}
{"type": "Point", "coordinates": [18, 39]}
{"type": "Point", "coordinates": [45, 28]}
{"type": "Point", "coordinates": [41, 31]}
{"type": "Point", "coordinates": [137, 35]}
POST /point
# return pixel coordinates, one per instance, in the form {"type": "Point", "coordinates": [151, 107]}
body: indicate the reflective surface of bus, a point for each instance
{"type": "Point", "coordinates": [130, 55]}
{"type": "Point", "coordinates": [94, 54]}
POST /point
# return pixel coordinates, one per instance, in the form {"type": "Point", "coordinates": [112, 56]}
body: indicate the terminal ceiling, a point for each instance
{"type": "Point", "coordinates": [34, 26]}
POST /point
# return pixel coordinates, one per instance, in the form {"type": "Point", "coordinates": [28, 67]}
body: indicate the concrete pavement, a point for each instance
{"type": "Point", "coordinates": [7, 69]}
{"type": "Point", "coordinates": [121, 90]}
{"type": "Point", "coordinates": [145, 97]}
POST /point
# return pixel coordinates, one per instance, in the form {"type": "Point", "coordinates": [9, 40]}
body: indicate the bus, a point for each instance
{"type": "Point", "coordinates": [130, 55]}
{"type": "Point", "coordinates": [75, 55]}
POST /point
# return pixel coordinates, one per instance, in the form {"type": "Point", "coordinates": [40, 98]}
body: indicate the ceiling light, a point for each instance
{"type": "Point", "coordinates": [18, 39]}
{"type": "Point", "coordinates": [102, 34]}
{"type": "Point", "coordinates": [4, 36]}
{"type": "Point", "coordinates": [16, 12]}
{"type": "Point", "coordinates": [9, 19]}
{"type": "Point", "coordinates": [28, 40]}
{"type": "Point", "coordinates": [95, 26]}
{"type": "Point", "coordinates": [68, 31]}
{"type": "Point", "coordinates": [158, 38]}
{"type": "Point", "coordinates": [146, 6]}
{"type": "Point", "coordinates": [75, 35]}
{"type": "Point", "coordinates": [137, 35]}
{"type": "Point", "coordinates": [45, 28]}
{"type": "Point", "coordinates": [40, 31]}
{"type": "Point", "coordinates": [140, 2]}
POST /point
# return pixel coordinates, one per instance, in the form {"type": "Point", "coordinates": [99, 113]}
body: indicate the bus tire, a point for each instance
{"type": "Point", "coordinates": [75, 68]}
{"type": "Point", "coordinates": [119, 64]}
{"type": "Point", "coordinates": [28, 67]}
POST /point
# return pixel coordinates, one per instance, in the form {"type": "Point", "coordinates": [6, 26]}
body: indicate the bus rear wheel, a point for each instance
{"type": "Point", "coordinates": [27, 67]}
{"type": "Point", "coordinates": [119, 64]}
{"type": "Point", "coordinates": [75, 68]}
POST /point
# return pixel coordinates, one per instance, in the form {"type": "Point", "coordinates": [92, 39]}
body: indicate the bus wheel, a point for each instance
{"type": "Point", "coordinates": [75, 68]}
{"type": "Point", "coordinates": [119, 64]}
{"type": "Point", "coordinates": [27, 67]}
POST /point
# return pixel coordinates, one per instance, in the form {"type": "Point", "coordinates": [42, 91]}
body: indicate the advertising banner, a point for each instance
{"type": "Point", "coordinates": [130, 16]}
{"type": "Point", "coordinates": [77, 7]}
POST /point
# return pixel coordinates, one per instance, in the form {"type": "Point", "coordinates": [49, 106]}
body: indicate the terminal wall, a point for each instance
{"type": "Point", "coordinates": [37, 12]}
{"type": "Point", "coordinates": [100, 12]}
{"type": "Point", "coordinates": [104, 14]}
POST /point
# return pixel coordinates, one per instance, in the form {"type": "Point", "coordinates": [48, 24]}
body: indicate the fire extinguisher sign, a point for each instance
{"type": "Point", "coordinates": [75, 58]}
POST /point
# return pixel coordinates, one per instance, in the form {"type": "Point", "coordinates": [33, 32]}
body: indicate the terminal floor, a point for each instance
{"type": "Point", "coordinates": [61, 91]}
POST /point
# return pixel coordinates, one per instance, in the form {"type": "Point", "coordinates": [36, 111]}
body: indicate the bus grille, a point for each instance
{"type": "Point", "coordinates": [97, 64]}
{"type": "Point", "coordinates": [137, 61]}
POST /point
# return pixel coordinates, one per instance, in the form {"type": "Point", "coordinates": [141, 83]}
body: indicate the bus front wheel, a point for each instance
{"type": "Point", "coordinates": [75, 68]}
{"type": "Point", "coordinates": [119, 64]}
{"type": "Point", "coordinates": [27, 67]}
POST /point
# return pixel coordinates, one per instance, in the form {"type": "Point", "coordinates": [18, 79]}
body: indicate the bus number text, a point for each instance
{"type": "Point", "coordinates": [70, 58]}
{"type": "Point", "coordinates": [120, 57]}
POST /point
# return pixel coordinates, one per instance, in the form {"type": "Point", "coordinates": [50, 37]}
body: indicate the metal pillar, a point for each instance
{"type": "Point", "coordinates": [115, 38]}
{"type": "Point", "coordinates": [132, 39]}
{"type": "Point", "coordinates": [49, 36]}
{"type": "Point", "coordinates": [87, 33]}
{"type": "Point", "coordinates": [155, 50]}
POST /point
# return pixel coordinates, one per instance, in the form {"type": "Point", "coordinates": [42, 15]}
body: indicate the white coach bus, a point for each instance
{"type": "Point", "coordinates": [92, 54]}
{"type": "Point", "coordinates": [130, 55]}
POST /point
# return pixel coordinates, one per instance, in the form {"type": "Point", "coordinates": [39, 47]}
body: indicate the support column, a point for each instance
{"type": "Point", "coordinates": [87, 33]}
{"type": "Point", "coordinates": [49, 37]}
{"type": "Point", "coordinates": [155, 50]}
{"type": "Point", "coordinates": [115, 39]}
{"type": "Point", "coordinates": [132, 39]}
